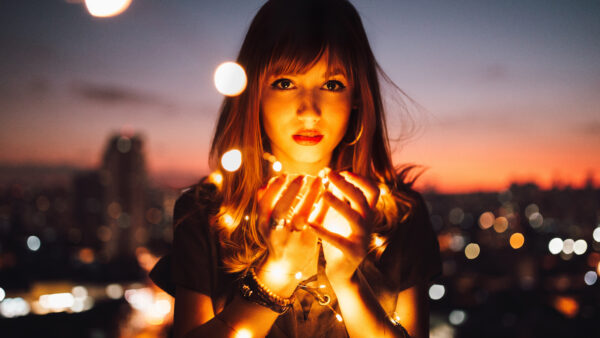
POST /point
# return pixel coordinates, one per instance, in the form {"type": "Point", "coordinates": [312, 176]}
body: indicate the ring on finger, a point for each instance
{"type": "Point", "coordinates": [277, 223]}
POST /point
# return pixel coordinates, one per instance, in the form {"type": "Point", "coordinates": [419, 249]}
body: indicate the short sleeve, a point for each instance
{"type": "Point", "coordinates": [191, 262]}
{"type": "Point", "coordinates": [192, 253]}
{"type": "Point", "coordinates": [413, 254]}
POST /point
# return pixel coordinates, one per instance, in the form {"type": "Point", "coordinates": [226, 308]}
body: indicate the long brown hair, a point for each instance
{"type": "Point", "coordinates": [289, 36]}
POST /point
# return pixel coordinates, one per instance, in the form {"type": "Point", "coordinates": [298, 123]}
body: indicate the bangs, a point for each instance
{"type": "Point", "coordinates": [301, 33]}
{"type": "Point", "coordinates": [297, 60]}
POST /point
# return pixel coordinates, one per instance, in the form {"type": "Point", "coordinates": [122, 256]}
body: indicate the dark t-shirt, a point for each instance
{"type": "Point", "coordinates": [411, 257]}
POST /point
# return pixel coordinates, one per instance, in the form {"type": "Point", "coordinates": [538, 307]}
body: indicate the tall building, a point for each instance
{"type": "Point", "coordinates": [124, 177]}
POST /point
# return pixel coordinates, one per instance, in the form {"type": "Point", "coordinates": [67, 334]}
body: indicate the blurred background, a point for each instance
{"type": "Point", "coordinates": [107, 108]}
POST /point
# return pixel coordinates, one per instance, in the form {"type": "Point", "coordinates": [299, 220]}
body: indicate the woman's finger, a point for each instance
{"type": "Point", "coordinates": [354, 194]}
{"type": "Point", "coordinates": [302, 213]}
{"type": "Point", "coordinates": [282, 206]}
{"type": "Point", "coordinates": [369, 189]}
{"type": "Point", "coordinates": [337, 240]}
{"type": "Point", "coordinates": [267, 200]}
{"type": "Point", "coordinates": [351, 215]}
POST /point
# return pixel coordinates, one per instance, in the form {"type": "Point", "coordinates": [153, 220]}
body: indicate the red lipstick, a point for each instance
{"type": "Point", "coordinates": [307, 137]}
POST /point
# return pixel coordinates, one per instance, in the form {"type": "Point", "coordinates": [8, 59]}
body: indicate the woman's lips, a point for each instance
{"type": "Point", "coordinates": [307, 140]}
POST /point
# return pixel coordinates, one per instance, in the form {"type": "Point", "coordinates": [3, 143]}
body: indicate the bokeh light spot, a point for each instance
{"type": "Point", "coordinates": [33, 243]}
{"type": "Point", "coordinates": [555, 245]}
{"type": "Point", "coordinates": [580, 247]}
{"type": "Point", "coordinates": [436, 291]}
{"type": "Point", "coordinates": [106, 8]}
{"type": "Point", "coordinates": [231, 160]}
{"type": "Point", "coordinates": [517, 240]}
{"type": "Point", "coordinates": [590, 277]}
{"type": "Point", "coordinates": [457, 317]}
{"type": "Point", "coordinates": [230, 79]}
{"type": "Point", "coordinates": [500, 224]}
{"type": "Point", "coordinates": [472, 250]}
{"type": "Point", "coordinates": [486, 220]}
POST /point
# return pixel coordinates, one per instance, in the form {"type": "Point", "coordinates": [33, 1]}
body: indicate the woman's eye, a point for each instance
{"type": "Point", "coordinates": [334, 85]}
{"type": "Point", "coordinates": [282, 84]}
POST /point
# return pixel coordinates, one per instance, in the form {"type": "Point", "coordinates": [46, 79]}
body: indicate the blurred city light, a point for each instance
{"type": "Point", "coordinates": [231, 160]}
{"type": "Point", "coordinates": [230, 79]}
{"type": "Point", "coordinates": [114, 291]}
{"type": "Point", "coordinates": [517, 240]}
{"type": "Point", "coordinates": [2, 294]}
{"type": "Point", "coordinates": [536, 220]}
{"type": "Point", "coordinates": [531, 209]}
{"type": "Point", "coordinates": [436, 291]}
{"type": "Point", "coordinates": [14, 307]}
{"type": "Point", "coordinates": [472, 250]}
{"type": "Point", "coordinates": [457, 317]}
{"type": "Point", "coordinates": [568, 246]}
{"type": "Point", "coordinates": [596, 234]}
{"type": "Point", "coordinates": [590, 277]}
{"type": "Point", "coordinates": [500, 224]}
{"type": "Point", "coordinates": [33, 243]}
{"type": "Point", "coordinates": [580, 247]}
{"type": "Point", "coordinates": [456, 216]}
{"type": "Point", "coordinates": [106, 8]}
{"type": "Point", "coordinates": [555, 246]}
{"type": "Point", "coordinates": [486, 220]}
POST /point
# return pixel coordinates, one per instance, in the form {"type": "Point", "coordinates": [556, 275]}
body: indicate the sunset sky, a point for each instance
{"type": "Point", "coordinates": [509, 90]}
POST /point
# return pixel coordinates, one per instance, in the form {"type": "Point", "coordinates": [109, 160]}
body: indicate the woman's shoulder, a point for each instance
{"type": "Point", "coordinates": [201, 198]}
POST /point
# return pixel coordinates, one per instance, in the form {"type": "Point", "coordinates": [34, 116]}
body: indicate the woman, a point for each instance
{"type": "Point", "coordinates": [251, 256]}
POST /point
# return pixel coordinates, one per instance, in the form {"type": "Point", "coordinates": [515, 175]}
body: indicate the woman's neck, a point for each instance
{"type": "Point", "coordinates": [289, 166]}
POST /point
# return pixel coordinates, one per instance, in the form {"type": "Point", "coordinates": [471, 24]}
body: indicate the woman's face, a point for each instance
{"type": "Point", "coordinates": [305, 115]}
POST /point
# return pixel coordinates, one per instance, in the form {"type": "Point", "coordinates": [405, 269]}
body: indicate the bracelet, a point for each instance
{"type": "Point", "coordinates": [253, 290]}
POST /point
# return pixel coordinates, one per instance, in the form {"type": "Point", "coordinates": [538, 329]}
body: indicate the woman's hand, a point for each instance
{"type": "Point", "coordinates": [362, 195]}
{"type": "Point", "coordinates": [281, 220]}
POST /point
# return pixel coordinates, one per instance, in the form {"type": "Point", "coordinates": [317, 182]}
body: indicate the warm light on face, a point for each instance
{"type": "Point", "coordinates": [307, 105]}
{"type": "Point", "coordinates": [230, 79]}
{"type": "Point", "coordinates": [106, 8]}
{"type": "Point", "coordinates": [231, 160]}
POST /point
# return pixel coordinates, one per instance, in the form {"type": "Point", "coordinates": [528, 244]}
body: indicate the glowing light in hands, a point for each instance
{"type": "Point", "coordinates": [231, 160]}
{"type": "Point", "coordinates": [243, 333]}
{"type": "Point", "coordinates": [106, 8]}
{"type": "Point", "coordinates": [230, 79]}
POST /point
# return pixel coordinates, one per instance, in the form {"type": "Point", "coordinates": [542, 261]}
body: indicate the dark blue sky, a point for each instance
{"type": "Point", "coordinates": [509, 87]}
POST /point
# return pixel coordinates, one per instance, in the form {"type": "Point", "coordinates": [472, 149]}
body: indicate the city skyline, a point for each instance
{"type": "Point", "coordinates": [508, 90]}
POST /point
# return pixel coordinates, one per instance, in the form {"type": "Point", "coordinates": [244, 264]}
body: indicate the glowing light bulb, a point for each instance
{"type": "Point", "coordinates": [230, 79]}
{"type": "Point", "coordinates": [231, 160]}
{"type": "Point", "coordinates": [216, 178]}
{"type": "Point", "coordinates": [228, 220]}
{"type": "Point", "coordinates": [106, 8]}
{"type": "Point", "coordinates": [277, 272]}
{"type": "Point", "coordinates": [298, 275]}
{"type": "Point", "coordinates": [243, 333]}
{"type": "Point", "coordinates": [378, 241]}
{"type": "Point", "coordinates": [277, 166]}
{"type": "Point", "coordinates": [338, 317]}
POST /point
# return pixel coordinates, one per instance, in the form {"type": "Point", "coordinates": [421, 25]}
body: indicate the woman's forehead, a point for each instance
{"type": "Point", "coordinates": [332, 66]}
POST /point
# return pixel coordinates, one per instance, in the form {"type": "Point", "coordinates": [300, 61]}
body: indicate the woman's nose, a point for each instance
{"type": "Point", "coordinates": [308, 108]}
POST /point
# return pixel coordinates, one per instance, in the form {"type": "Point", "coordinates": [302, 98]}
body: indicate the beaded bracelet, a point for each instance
{"type": "Point", "coordinates": [253, 290]}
